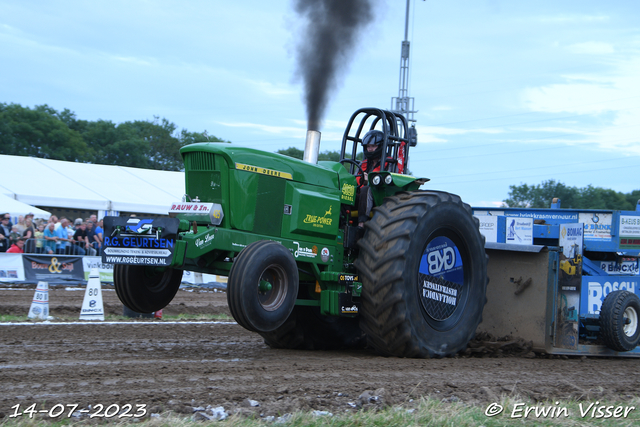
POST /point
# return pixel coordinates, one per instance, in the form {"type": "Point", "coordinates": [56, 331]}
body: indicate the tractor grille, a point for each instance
{"type": "Point", "coordinates": [269, 205]}
{"type": "Point", "coordinates": [200, 161]}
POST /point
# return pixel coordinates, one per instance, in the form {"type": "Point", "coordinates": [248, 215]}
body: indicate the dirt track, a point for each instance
{"type": "Point", "coordinates": [181, 366]}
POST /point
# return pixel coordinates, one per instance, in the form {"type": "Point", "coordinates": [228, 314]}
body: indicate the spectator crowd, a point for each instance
{"type": "Point", "coordinates": [60, 237]}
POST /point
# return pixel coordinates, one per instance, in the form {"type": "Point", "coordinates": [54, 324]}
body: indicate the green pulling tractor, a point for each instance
{"type": "Point", "coordinates": [303, 270]}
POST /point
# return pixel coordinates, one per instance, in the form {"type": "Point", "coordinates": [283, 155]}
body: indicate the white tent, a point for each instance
{"type": "Point", "coordinates": [71, 185]}
{"type": "Point", "coordinates": [16, 208]}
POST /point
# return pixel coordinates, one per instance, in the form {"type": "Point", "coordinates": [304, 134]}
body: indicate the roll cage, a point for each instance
{"type": "Point", "coordinates": [398, 137]}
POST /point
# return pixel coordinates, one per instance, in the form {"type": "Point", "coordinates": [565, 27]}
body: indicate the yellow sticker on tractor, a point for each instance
{"type": "Point", "coordinates": [263, 171]}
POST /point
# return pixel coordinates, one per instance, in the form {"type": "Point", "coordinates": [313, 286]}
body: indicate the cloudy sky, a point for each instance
{"type": "Point", "coordinates": [507, 92]}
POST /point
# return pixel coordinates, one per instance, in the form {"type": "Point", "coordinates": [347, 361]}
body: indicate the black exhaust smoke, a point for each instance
{"type": "Point", "coordinates": [330, 32]}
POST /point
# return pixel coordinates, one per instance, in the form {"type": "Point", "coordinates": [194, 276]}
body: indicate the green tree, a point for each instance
{"type": "Point", "coordinates": [47, 133]}
{"type": "Point", "coordinates": [163, 147]}
{"type": "Point", "coordinates": [116, 144]}
{"type": "Point", "coordinates": [541, 196]}
{"type": "Point", "coordinates": [294, 152]}
{"type": "Point", "coordinates": [39, 132]}
{"type": "Point", "coordinates": [333, 156]}
{"type": "Point", "coordinates": [633, 198]}
{"type": "Point", "coordinates": [187, 138]}
{"type": "Point", "coordinates": [600, 198]}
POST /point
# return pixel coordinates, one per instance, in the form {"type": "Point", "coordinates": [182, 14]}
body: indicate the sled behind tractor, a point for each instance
{"type": "Point", "coordinates": [565, 279]}
{"type": "Point", "coordinates": [301, 270]}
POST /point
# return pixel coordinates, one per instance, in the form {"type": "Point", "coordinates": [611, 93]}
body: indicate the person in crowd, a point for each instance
{"type": "Point", "coordinates": [50, 239]}
{"type": "Point", "coordinates": [65, 243]}
{"type": "Point", "coordinates": [54, 220]}
{"type": "Point", "coordinates": [80, 239]}
{"type": "Point", "coordinates": [67, 221]}
{"type": "Point", "coordinates": [93, 238]}
{"type": "Point", "coordinates": [20, 224]}
{"type": "Point", "coordinates": [5, 232]}
{"type": "Point", "coordinates": [99, 232]}
{"type": "Point", "coordinates": [28, 236]}
{"type": "Point", "coordinates": [38, 235]}
{"type": "Point", "coordinates": [17, 247]}
{"type": "Point", "coordinates": [15, 234]}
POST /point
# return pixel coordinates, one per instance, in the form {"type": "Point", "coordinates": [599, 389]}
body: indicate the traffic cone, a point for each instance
{"type": "Point", "coordinates": [92, 305]}
{"type": "Point", "coordinates": [40, 304]}
{"type": "Point", "coordinates": [157, 314]}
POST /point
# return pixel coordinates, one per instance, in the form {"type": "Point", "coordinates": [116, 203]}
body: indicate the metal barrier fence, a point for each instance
{"type": "Point", "coordinates": [43, 246]}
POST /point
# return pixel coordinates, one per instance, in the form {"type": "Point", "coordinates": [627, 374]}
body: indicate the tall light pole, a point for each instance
{"type": "Point", "coordinates": [403, 104]}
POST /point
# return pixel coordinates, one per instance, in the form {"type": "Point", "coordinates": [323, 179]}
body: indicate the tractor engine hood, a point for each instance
{"type": "Point", "coordinates": [206, 156]}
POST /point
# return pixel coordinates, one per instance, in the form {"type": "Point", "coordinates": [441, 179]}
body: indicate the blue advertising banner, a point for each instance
{"type": "Point", "coordinates": [596, 288]}
{"type": "Point", "coordinates": [139, 241]}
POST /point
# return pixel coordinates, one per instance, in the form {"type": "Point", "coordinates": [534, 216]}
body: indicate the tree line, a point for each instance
{"type": "Point", "coordinates": [297, 153]}
{"type": "Point", "coordinates": [46, 133]}
{"type": "Point", "coordinates": [589, 197]}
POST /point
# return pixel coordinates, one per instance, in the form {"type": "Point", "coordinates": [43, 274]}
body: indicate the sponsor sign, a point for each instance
{"type": "Point", "coordinates": [348, 193]}
{"type": "Point", "coordinates": [598, 287]}
{"type": "Point", "coordinates": [629, 232]}
{"type": "Point", "coordinates": [489, 227]}
{"type": "Point", "coordinates": [263, 171]}
{"type": "Point", "coordinates": [630, 226]}
{"type": "Point", "coordinates": [305, 252]}
{"type": "Point", "coordinates": [519, 231]}
{"type": "Point", "coordinates": [353, 309]}
{"type": "Point", "coordinates": [626, 267]}
{"type": "Point", "coordinates": [569, 285]}
{"type": "Point", "coordinates": [551, 216]}
{"type": "Point", "coordinates": [196, 211]}
{"type": "Point", "coordinates": [441, 277]}
{"type": "Point", "coordinates": [571, 239]}
{"type": "Point", "coordinates": [11, 267]}
{"type": "Point", "coordinates": [137, 241]}
{"type": "Point", "coordinates": [205, 240]}
{"type": "Point", "coordinates": [597, 226]}
{"type": "Point", "coordinates": [348, 279]}
{"type": "Point", "coordinates": [52, 267]}
{"type": "Point", "coordinates": [320, 221]}
{"type": "Point", "coordinates": [325, 254]}
{"type": "Point", "coordinates": [105, 271]}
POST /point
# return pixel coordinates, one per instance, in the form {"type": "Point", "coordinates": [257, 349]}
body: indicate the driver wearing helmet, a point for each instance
{"type": "Point", "coordinates": [372, 143]}
{"type": "Point", "coordinates": [372, 146]}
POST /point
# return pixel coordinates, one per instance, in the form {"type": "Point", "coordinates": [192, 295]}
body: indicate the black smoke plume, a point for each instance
{"type": "Point", "coordinates": [330, 31]}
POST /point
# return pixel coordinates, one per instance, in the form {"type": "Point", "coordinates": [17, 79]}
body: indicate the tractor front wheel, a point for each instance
{"type": "Point", "coordinates": [263, 286]}
{"type": "Point", "coordinates": [424, 274]}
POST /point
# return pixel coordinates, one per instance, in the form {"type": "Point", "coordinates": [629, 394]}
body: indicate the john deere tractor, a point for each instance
{"type": "Point", "coordinates": [302, 271]}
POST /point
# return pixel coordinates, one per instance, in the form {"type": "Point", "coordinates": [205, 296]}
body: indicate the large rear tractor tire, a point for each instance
{"type": "Point", "coordinates": [146, 289]}
{"type": "Point", "coordinates": [307, 329]}
{"type": "Point", "coordinates": [424, 273]}
{"type": "Point", "coordinates": [262, 286]}
{"type": "Point", "coordinates": [619, 317]}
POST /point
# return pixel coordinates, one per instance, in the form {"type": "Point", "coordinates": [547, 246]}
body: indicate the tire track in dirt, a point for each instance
{"type": "Point", "coordinates": [178, 366]}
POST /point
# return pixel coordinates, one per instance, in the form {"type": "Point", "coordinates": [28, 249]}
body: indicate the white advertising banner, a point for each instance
{"type": "Point", "coordinates": [11, 267]}
{"type": "Point", "coordinates": [488, 227]}
{"type": "Point", "coordinates": [597, 226]}
{"type": "Point", "coordinates": [519, 231]}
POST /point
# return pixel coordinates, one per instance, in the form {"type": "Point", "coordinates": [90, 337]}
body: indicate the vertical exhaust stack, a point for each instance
{"type": "Point", "coordinates": [312, 147]}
